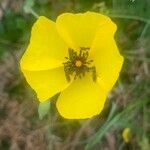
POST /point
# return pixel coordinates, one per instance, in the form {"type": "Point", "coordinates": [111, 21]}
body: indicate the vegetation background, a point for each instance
{"type": "Point", "coordinates": [128, 105]}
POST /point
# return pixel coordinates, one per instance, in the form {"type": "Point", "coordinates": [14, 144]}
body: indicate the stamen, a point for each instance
{"type": "Point", "coordinates": [78, 65]}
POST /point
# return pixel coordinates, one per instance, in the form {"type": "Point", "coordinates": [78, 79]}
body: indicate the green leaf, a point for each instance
{"type": "Point", "coordinates": [28, 4]}
{"type": "Point", "coordinates": [43, 109]}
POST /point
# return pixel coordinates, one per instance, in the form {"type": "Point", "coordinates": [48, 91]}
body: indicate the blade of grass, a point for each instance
{"type": "Point", "coordinates": [129, 17]}
{"type": "Point", "coordinates": [95, 139]}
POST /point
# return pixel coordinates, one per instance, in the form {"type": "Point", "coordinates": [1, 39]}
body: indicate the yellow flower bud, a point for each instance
{"type": "Point", "coordinates": [126, 134]}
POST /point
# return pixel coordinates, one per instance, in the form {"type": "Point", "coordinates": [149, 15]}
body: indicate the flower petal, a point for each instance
{"type": "Point", "coordinates": [82, 99]}
{"type": "Point", "coordinates": [107, 58]}
{"type": "Point", "coordinates": [78, 30]}
{"type": "Point", "coordinates": [46, 83]}
{"type": "Point", "coordinates": [46, 49]}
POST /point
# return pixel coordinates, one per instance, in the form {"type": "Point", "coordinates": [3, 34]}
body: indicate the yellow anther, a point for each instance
{"type": "Point", "coordinates": [78, 63]}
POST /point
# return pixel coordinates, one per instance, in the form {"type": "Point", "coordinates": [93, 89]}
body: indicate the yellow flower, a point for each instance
{"type": "Point", "coordinates": [126, 134]}
{"type": "Point", "coordinates": [75, 56]}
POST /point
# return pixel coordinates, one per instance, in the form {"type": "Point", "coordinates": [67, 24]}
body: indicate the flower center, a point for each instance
{"type": "Point", "coordinates": [78, 64]}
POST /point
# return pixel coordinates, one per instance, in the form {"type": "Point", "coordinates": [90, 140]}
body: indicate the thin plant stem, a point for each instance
{"type": "Point", "coordinates": [33, 13]}
{"type": "Point", "coordinates": [144, 30]}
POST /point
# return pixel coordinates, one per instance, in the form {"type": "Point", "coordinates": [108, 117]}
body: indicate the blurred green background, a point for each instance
{"type": "Point", "coordinates": [127, 105]}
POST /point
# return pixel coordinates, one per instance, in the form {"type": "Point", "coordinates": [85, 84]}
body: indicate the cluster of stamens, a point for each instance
{"type": "Point", "coordinates": [77, 64]}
